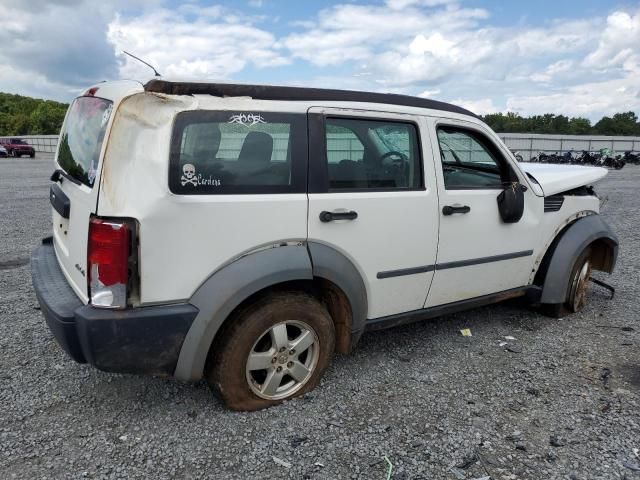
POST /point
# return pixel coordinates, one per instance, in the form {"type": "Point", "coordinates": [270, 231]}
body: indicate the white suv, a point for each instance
{"type": "Point", "coordinates": [243, 233]}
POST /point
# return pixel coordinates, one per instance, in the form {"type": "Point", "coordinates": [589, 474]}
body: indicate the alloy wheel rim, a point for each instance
{"type": "Point", "coordinates": [580, 286]}
{"type": "Point", "coordinates": [282, 360]}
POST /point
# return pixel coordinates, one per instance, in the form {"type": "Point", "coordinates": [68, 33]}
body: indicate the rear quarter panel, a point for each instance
{"type": "Point", "coordinates": [183, 238]}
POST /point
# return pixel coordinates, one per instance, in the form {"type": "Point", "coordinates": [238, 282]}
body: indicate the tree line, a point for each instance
{"type": "Point", "coordinates": [619, 124]}
{"type": "Point", "coordinates": [21, 115]}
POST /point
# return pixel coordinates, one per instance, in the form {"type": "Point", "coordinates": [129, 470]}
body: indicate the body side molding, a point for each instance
{"type": "Point", "coordinates": [575, 238]}
{"type": "Point", "coordinates": [225, 289]}
{"type": "Point", "coordinates": [481, 260]}
{"type": "Point", "coordinates": [455, 264]}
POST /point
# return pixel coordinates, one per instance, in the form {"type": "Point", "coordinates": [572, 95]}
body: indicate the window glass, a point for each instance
{"type": "Point", "coordinates": [372, 154]}
{"type": "Point", "coordinates": [235, 152]}
{"type": "Point", "coordinates": [467, 162]}
{"type": "Point", "coordinates": [81, 137]}
{"type": "Point", "coordinates": [342, 144]}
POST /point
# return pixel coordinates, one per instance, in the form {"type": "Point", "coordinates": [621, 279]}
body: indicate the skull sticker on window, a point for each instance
{"type": "Point", "coordinates": [189, 175]}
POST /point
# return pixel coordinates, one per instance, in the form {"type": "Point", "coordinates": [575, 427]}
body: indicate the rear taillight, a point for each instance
{"type": "Point", "coordinates": [108, 262]}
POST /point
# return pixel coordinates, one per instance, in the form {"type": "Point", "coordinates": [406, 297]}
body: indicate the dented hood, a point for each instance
{"type": "Point", "coordinates": [560, 178]}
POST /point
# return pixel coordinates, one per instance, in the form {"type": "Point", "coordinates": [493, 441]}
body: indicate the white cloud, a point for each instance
{"type": "Point", "coordinates": [416, 46]}
{"type": "Point", "coordinates": [605, 97]}
{"type": "Point", "coordinates": [480, 107]}
{"type": "Point", "coordinates": [556, 68]}
{"type": "Point", "coordinates": [62, 42]}
{"type": "Point", "coordinates": [585, 66]}
{"type": "Point", "coordinates": [619, 44]}
{"type": "Point", "coordinates": [212, 45]}
{"type": "Point", "coordinates": [401, 4]}
{"type": "Point", "coordinates": [429, 93]}
{"type": "Point", "coordinates": [356, 32]}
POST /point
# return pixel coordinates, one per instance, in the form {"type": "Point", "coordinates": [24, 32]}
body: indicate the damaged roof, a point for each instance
{"type": "Point", "coordinates": [276, 92]}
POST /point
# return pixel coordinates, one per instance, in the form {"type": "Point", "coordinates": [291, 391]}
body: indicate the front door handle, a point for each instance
{"type": "Point", "coordinates": [451, 209]}
{"type": "Point", "coordinates": [331, 216]}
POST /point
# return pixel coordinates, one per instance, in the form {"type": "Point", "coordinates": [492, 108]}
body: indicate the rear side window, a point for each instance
{"type": "Point", "coordinates": [216, 152]}
{"type": "Point", "coordinates": [367, 154]}
{"type": "Point", "coordinates": [82, 136]}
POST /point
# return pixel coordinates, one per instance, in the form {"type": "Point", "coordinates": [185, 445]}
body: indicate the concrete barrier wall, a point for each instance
{"type": "Point", "coordinates": [528, 144]}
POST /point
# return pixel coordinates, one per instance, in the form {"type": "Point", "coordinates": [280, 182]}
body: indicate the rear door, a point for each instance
{"type": "Point", "coordinates": [75, 193]}
{"type": "Point", "coordinates": [371, 199]}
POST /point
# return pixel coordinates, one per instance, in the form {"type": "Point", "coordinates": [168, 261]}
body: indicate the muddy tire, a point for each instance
{"type": "Point", "coordinates": [271, 350]}
{"type": "Point", "coordinates": [577, 290]}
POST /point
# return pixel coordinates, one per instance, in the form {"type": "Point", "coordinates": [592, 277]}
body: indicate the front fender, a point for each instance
{"type": "Point", "coordinates": [566, 249]}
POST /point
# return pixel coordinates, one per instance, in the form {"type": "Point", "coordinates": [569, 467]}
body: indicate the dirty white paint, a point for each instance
{"type": "Point", "coordinates": [184, 239]}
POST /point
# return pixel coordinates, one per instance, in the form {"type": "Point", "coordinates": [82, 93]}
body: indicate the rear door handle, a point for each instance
{"type": "Point", "coordinates": [451, 209]}
{"type": "Point", "coordinates": [331, 216]}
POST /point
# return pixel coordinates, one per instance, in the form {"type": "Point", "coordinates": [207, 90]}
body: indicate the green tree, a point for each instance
{"type": "Point", "coordinates": [21, 115]}
{"type": "Point", "coordinates": [19, 124]}
{"type": "Point", "coordinates": [620, 124]}
{"type": "Point", "coordinates": [47, 117]}
{"type": "Point", "coordinates": [579, 126]}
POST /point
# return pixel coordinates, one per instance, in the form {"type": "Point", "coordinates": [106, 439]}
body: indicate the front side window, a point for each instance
{"type": "Point", "coordinates": [372, 154]}
{"type": "Point", "coordinates": [469, 161]}
{"type": "Point", "coordinates": [81, 138]}
{"type": "Point", "coordinates": [237, 152]}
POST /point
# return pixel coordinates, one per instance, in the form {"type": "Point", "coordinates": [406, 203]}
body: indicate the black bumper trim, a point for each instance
{"type": "Point", "coordinates": [136, 340]}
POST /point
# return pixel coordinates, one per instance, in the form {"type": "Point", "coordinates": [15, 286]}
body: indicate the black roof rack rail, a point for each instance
{"type": "Point", "coordinates": [272, 92]}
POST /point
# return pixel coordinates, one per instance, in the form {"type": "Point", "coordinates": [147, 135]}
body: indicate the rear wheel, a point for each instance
{"type": "Point", "coordinates": [32, 155]}
{"type": "Point", "coordinates": [577, 290]}
{"type": "Point", "coordinates": [274, 349]}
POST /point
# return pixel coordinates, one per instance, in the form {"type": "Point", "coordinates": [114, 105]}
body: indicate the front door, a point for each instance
{"type": "Point", "coordinates": [371, 199]}
{"type": "Point", "coordinates": [478, 254]}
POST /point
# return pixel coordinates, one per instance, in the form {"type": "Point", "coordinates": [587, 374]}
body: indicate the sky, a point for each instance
{"type": "Point", "coordinates": [571, 57]}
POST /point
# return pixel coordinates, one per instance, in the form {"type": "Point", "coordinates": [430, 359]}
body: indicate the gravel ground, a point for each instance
{"type": "Point", "coordinates": [561, 401]}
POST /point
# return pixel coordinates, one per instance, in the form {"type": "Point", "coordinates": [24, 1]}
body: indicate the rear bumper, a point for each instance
{"type": "Point", "coordinates": [136, 340]}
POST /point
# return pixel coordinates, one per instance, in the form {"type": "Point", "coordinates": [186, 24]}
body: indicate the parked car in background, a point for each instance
{"type": "Point", "coordinates": [3, 152]}
{"type": "Point", "coordinates": [17, 147]}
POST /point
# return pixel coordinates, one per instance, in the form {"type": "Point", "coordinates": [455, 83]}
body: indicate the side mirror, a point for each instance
{"type": "Point", "coordinates": [511, 203]}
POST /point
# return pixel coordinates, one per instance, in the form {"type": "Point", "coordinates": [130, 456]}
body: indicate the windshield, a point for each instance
{"type": "Point", "coordinates": [81, 137]}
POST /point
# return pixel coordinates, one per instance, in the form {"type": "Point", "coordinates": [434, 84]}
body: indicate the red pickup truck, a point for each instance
{"type": "Point", "coordinates": [16, 147]}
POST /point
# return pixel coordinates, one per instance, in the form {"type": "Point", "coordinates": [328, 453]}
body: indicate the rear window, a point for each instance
{"type": "Point", "coordinates": [81, 137]}
{"type": "Point", "coordinates": [216, 152]}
